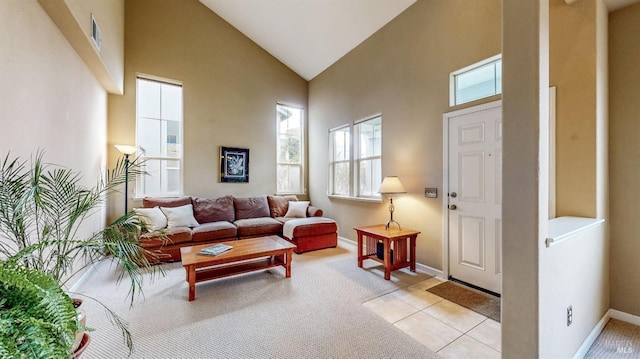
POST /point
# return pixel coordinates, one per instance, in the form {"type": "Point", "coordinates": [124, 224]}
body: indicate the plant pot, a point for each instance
{"type": "Point", "coordinates": [82, 319]}
{"type": "Point", "coordinates": [77, 302]}
{"type": "Point", "coordinates": [84, 343]}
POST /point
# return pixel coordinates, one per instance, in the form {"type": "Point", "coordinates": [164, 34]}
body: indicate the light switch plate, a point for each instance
{"type": "Point", "coordinates": [431, 192]}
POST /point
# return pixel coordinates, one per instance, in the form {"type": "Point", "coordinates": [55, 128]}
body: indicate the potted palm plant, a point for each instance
{"type": "Point", "coordinates": [42, 210]}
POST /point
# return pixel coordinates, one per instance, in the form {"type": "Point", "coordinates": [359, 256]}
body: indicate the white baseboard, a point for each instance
{"type": "Point", "coordinates": [593, 335]}
{"type": "Point", "coordinates": [347, 241]}
{"type": "Point", "coordinates": [625, 317]}
{"type": "Point", "coordinates": [420, 267]}
{"type": "Point", "coordinates": [430, 270]}
{"type": "Point", "coordinates": [83, 278]}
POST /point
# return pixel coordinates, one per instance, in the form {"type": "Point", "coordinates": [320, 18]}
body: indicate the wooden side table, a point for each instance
{"type": "Point", "coordinates": [395, 239]}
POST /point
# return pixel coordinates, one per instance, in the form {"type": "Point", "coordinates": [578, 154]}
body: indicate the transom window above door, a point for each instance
{"type": "Point", "coordinates": [477, 81]}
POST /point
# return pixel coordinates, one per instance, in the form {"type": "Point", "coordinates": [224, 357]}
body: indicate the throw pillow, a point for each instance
{"type": "Point", "coordinates": [152, 218]}
{"type": "Point", "coordinates": [180, 216]}
{"type": "Point", "coordinates": [297, 209]}
{"type": "Point", "coordinates": [279, 204]}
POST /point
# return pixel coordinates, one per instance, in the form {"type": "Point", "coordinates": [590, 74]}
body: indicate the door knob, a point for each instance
{"type": "Point", "coordinates": [453, 195]}
{"type": "Point", "coordinates": [453, 207]}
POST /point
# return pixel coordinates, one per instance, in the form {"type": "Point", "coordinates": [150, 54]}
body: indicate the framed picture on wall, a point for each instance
{"type": "Point", "coordinates": [234, 164]}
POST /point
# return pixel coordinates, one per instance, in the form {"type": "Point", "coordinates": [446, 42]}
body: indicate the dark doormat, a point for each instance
{"type": "Point", "coordinates": [485, 304]}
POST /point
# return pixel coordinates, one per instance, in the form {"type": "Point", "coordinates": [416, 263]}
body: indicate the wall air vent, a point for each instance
{"type": "Point", "coordinates": [95, 32]}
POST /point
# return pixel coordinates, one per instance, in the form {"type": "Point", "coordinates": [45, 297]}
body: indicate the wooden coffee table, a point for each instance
{"type": "Point", "coordinates": [247, 255]}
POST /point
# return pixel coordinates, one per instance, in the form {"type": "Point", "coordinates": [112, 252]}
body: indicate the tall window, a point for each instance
{"type": "Point", "coordinates": [159, 136]}
{"type": "Point", "coordinates": [290, 173]}
{"type": "Point", "coordinates": [356, 171]}
{"type": "Point", "coordinates": [480, 80]}
{"type": "Point", "coordinates": [368, 162]}
{"type": "Point", "coordinates": [340, 161]}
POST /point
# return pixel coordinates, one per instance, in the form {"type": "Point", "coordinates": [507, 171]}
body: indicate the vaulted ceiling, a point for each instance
{"type": "Point", "coordinates": [308, 36]}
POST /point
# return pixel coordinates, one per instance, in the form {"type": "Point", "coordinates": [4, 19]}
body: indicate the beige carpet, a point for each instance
{"type": "Point", "coordinates": [617, 340]}
{"type": "Point", "coordinates": [485, 304]}
{"type": "Point", "coordinates": [317, 313]}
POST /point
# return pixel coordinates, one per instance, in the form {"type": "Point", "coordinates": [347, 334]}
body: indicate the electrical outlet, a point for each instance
{"type": "Point", "coordinates": [569, 315]}
{"type": "Point", "coordinates": [431, 192]}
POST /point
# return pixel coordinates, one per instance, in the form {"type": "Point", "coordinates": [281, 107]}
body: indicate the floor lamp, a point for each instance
{"type": "Point", "coordinates": [391, 185]}
{"type": "Point", "coordinates": [127, 151]}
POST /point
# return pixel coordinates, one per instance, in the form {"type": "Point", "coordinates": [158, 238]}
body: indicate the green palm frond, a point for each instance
{"type": "Point", "coordinates": [13, 185]}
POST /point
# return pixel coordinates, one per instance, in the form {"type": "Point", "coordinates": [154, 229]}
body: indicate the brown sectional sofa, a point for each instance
{"type": "Point", "coordinates": [229, 218]}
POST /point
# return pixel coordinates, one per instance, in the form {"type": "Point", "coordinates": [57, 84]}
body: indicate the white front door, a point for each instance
{"type": "Point", "coordinates": [475, 195]}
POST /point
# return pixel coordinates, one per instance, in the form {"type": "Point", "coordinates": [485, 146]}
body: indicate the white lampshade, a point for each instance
{"type": "Point", "coordinates": [126, 149]}
{"type": "Point", "coordinates": [390, 185]}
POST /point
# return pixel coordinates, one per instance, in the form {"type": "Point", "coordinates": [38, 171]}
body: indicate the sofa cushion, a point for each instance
{"type": "Point", "coordinates": [149, 202]}
{"type": "Point", "coordinates": [308, 227]}
{"type": "Point", "coordinates": [207, 210]}
{"type": "Point", "coordinates": [257, 226]}
{"type": "Point", "coordinates": [315, 229]}
{"type": "Point", "coordinates": [214, 230]}
{"type": "Point", "coordinates": [251, 207]}
{"type": "Point", "coordinates": [312, 243]}
{"type": "Point", "coordinates": [180, 216]}
{"type": "Point", "coordinates": [297, 209]}
{"type": "Point", "coordinates": [173, 236]}
{"type": "Point", "coordinates": [152, 218]}
{"type": "Point", "coordinates": [278, 205]}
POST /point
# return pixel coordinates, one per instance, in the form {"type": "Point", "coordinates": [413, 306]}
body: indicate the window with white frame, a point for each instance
{"type": "Point", "coordinates": [159, 136]}
{"type": "Point", "coordinates": [290, 171]}
{"type": "Point", "coordinates": [368, 159]}
{"type": "Point", "coordinates": [355, 163]}
{"type": "Point", "coordinates": [340, 161]}
{"type": "Point", "coordinates": [480, 80]}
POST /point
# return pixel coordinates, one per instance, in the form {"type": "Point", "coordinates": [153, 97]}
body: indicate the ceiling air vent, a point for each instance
{"type": "Point", "coordinates": [95, 32]}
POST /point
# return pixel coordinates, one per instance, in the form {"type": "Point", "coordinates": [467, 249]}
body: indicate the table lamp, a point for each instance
{"type": "Point", "coordinates": [391, 185]}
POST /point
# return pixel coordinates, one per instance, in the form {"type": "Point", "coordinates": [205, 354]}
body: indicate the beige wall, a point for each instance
{"type": "Point", "coordinates": [402, 71]}
{"type": "Point", "coordinates": [624, 110]}
{"type": "Point", "coordinates": [525, 193]}
{"type": "Point", "coordinates": [572, 52]}
{"type": "Point", "coordinates": [50, 99]}
{"type": "Point", "coordinates": [230, 88]}
{"type": "Point", "coordinates": [602, 112]}
{"type": "Point", "coordinates": [73, 19]}
{"type": "Point", "coordinates": [109, 15]}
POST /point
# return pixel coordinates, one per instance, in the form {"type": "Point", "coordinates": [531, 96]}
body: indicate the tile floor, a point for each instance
{"type": "Point", "coordinates": [448, 329]}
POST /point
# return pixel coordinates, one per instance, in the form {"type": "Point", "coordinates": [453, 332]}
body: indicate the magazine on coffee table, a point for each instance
{"type": "Point", "coordinates": [215, 249]}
